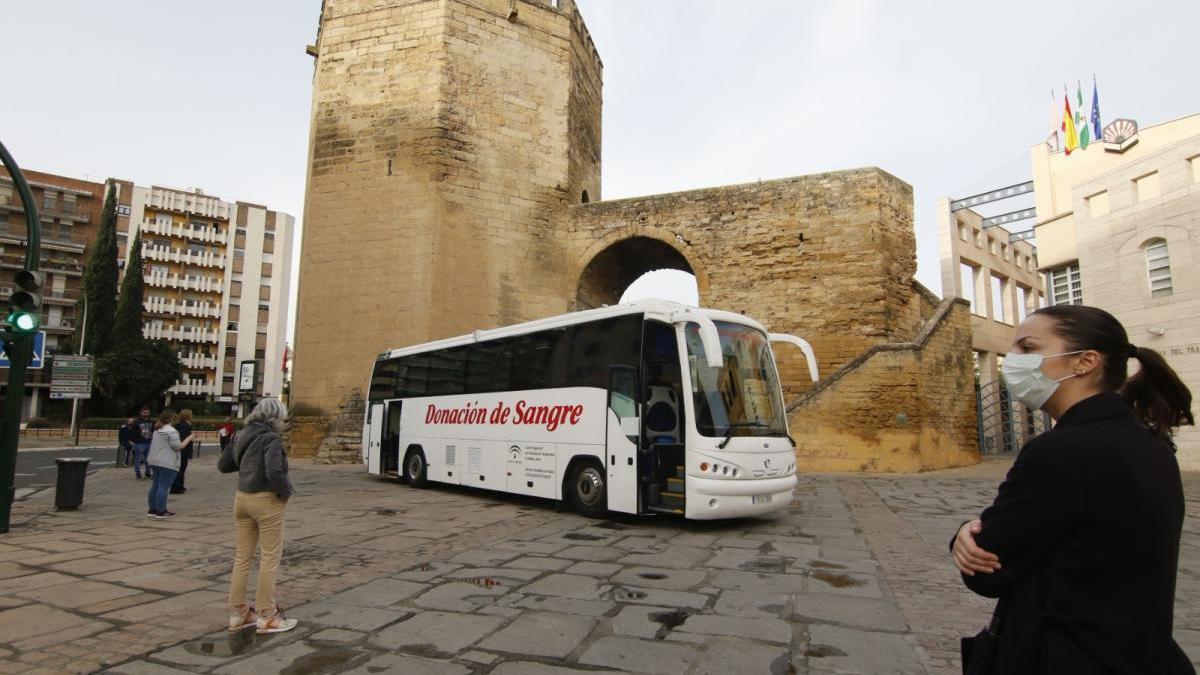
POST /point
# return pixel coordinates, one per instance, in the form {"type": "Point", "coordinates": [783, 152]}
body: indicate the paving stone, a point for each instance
{"type": "Point", "coordinates": [379, 593]}
{"type": "Point", "coordinates": [392, 543]}
{"type": "Point", "coordinates": [459, 596]}
{"type": "Point", "coordinates": [677, 557]}
{"type": "Point", "coordinates": [591, 553]}
{"type": "Point", "coordinates": [539, 563]}
{"type": "Point", "coordinates": [655, 596]}
{"type": "Point", "coordinates": [849, 650]}
{"type": "Point", "coordinates": [408, 665]}
{"type": "Point", "coordinates": [513, 576]}
{"type": "Point", "coordinates": [530, 668]}
{"type": "Point", "coordinates": [479, 657]}
{"type": "Point", "coordinates": [440, 632]}
{"type": "Point", "coordinates": [352, 617]}
{"type": "Point", "coordinates": [548, 603]}
{"type": "Point", "coordinates": [337, 635]}
{"type": "Point", "coordinates": [41, 580]}
{"type": "Point", "coordinates": [870, 613]}
{"type": "Point", "coordinates": [757, 581]}
{"type": "Point", "coordinates": [12, 570]}
{"type": "Point", "coordinates": [837, 582]}
{"type": "Point", "coordinates": [142, 667]}
{"type": "Point", "coordinates": [62, 636]}
{"type": "Point", "coordinates": [639, 544]}
{"type": "Point", "coordinates": [541, 634]}
{"type": "Point", "coordinates": [89, 566]}
{"type": "Point", "coordinates": [722, 657]}
{"type": "Point", "coordinates": [275, 660]}
{"type": "Point", "coordinates": [640, 656]}
{"type": "Point", "coordinates": [542, 547]}
{"type": "Point", "coordinates": [594, 569]}
{"type": "Point", "coordinates": [484, 558]}
{"type": "Point", "coordinates": [637, 621]}
{"type": "Point", "coordinates": [565, 586]}
{"type": "Point", "coordinates": [658, 577]}
{"type": "Point", "coordinates": [178, 603]}
{"type": "Point", "coordinates": [751, 604]}
{"type": "Point", "coordinates": [427, 571]}
{"type": "Point", "coordinates": [696, 540]}
{"type": "Point", "coordinates": [32, 620]}
{"type": "Point", "coordinates": [767, 630]}
{"type": "Point", "coordinates": [79, 593]}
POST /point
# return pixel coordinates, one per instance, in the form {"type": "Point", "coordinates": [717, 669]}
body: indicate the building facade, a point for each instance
{"type": "Point", "coordinates": [1119, 228]}
{"type": "Point", "coordinates": [69, 211]}
{"type": "Point", "coordinates": [217, 281]}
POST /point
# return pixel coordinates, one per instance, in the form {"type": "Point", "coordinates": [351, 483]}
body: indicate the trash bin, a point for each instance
{"type": "Point", "coordinates": [72, 472]}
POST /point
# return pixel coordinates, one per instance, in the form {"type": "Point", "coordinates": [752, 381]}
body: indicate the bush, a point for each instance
{"type": "Point", "coordinates": [38, 423]}
{"type": "Point", "coordinates": [198, 423]}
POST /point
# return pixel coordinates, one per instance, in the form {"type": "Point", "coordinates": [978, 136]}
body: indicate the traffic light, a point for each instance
{"type": "Point", "coordinates": [25, 305]}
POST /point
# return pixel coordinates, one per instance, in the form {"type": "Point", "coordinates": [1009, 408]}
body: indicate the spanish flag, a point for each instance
{"type": "Point", "coordinates": [1070, 135]}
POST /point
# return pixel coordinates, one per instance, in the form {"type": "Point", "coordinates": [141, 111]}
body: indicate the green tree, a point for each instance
{"type": "Point", "coordinates": [127, 325]}
{"type": "Point", "coordinates": [136, 373]}
{"type": "Point", "coordinates": [100, 281]}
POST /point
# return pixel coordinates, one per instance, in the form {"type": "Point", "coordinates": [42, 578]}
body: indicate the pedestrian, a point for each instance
{"type": "Point", "coordinates": [262, 495]}
{"type": "Point", "coordinates": [141, 442]}
{"type": "Point", "coordinates": [1081, 544]}
{"type": "Point", "coordinates": [184, 428]}
{"type": "Point", "coordinates": [225, 432]}
{"type": "Point", "coordinates": [164, 457]}
{"type": "Point", "coordinates": [125, 437]}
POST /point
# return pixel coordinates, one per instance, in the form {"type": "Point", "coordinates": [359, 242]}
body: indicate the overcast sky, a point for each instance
{"type": "Point", "coordinates": [948, 96]}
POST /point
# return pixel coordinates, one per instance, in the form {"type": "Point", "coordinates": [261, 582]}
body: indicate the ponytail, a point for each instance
{"type": "Point", "coordinates": [1159, 399]}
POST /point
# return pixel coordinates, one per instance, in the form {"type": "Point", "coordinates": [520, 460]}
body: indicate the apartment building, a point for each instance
{"type": "Point", "coordinates": [217, 281]}
{"type": "Point", "coordinates": [1118, 227]}
{"type": "Point", "coordinates": [69, 212]}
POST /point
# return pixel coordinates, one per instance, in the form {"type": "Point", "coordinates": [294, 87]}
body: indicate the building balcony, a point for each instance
{"type": "Point", "coordinates": [15, 206]}
{"type": "Point", "coordinates": [183, 232]}
{"type": "Point", "coordinates": [208, 310]}
{"type": "Point", "coordinates": [197, 361]}
{"type": "Point", "coordinates": [184, 282]}
{"type": "Point", "coordinates": [56, 298]}
{"type": "Point", "coordinates": [175, 255]}
{"type": "Point", "coordinates": [182, 334]}
{"type": "Point", "coordinates": [193, 389]}
{"type": "Point", "coordinates": [60, 327]}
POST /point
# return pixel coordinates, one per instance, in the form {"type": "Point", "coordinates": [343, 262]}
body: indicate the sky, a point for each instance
{"type": "Point", "coordinates": [948, 96]}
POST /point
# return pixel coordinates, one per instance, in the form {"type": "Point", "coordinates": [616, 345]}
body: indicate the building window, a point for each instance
{"type": "Point", "coordinates": [1098, 204]}
{"type": "Point", "coordinates": [1194, 161]}
{"type": "Point", "coordinates": [1064, 285]}
{"type": "Point", "coordinates": [999, 311]}
{"type": "Point", "coordinates": [1158, 267]}
{"type": "Point", "coordinates": [232, 327]}
{"type": "Point", "coordinates": [49, 200]}
{"type": "Point", "coordinates": [6, 193]}
{"type": "Point", "coordinates": [1147, 187]}
{"type": "Point", "coordinates": [967, 276]}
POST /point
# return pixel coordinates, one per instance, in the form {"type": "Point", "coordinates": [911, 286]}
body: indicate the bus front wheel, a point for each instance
{"type": "Point", "coordinates": [415, 468]}
{"type": "Point", "coordinates": [587, 490]}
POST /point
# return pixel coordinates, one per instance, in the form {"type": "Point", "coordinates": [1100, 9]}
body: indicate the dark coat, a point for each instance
{"type": "Point", "coordinates": [1087, 526]}
{"type": "Point", "coordinates": [127, 436]}
{"type": "Point", "coordinates": [185, 430]}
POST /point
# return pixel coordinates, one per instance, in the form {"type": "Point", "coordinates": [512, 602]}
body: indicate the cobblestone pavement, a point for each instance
{"type": "Point", "coordinates": [854, 578]}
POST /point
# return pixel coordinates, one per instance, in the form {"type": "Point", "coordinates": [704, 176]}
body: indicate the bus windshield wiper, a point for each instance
{"type": "Point", "coordinates": [737, 425]}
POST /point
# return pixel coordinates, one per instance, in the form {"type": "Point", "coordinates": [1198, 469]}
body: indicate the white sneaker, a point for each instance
{"type": "Point", "coordinates": [276, 624]}
{"type": "Point", "coordinates": [244, 620]}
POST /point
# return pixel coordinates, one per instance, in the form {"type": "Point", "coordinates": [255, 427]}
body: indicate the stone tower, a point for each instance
{"type": "Point", "coordinates": [447, 139]}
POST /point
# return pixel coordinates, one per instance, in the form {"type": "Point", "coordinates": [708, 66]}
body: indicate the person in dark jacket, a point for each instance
{"type": "Point", "coordinates": [125, 438]}
{"type": "Point", "coordinates": [1081, 544]}
{"type": "Point", "coordinates": [184, 427]}
{"type": "Point", "coordinates": [141, 443]}
{"type": "Point", "coordinates": [262, 495]}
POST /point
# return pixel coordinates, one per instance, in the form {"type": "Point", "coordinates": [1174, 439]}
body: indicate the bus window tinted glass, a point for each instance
{"type": "Point", "coordinates": [416, 375]}
{"type": "Point", "coordinates": [539, 360]}
{"type": "Point", "coordinates": [383, 379]}
{"type": "Point", "coordinates": [447, 369]}
{"type": "Point", "coordinates": [601, 344]}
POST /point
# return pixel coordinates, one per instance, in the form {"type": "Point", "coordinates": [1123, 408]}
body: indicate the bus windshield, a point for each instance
{"type": "Point", "coordinates": [742, 397]}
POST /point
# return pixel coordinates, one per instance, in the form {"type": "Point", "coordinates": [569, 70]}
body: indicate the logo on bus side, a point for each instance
{"type": "Point", "coordinates": [521, 413]}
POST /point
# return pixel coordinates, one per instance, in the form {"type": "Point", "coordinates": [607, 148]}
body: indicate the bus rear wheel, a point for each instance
{"type": "Point", "coordinates": [415, 468]}
{"type": "Point", "coordinates": [587, 490]}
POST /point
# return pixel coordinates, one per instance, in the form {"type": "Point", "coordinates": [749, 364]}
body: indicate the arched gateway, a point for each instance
{"type": "Point", "coordinates": [452, 147]}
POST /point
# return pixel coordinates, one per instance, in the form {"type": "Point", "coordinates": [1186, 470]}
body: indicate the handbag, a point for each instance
{"type": "Point", "coordinates": [980, 652]}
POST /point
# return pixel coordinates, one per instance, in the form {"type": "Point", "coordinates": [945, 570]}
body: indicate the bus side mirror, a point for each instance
{"type": "Point", "coordinates": [809, 356]}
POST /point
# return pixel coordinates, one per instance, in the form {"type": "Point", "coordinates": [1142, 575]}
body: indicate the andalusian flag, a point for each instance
{"type": "Point", "coordinates": [1070, 137]}
{"type": "Point", "coordinates": [1080, 120]}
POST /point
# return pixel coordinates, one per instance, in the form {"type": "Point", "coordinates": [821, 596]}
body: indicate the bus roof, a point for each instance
{"type": "Point", "coordinates": [652, 308]}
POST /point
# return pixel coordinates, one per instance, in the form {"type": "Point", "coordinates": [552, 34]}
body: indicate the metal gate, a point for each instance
{"type": "Point", "coordinates": [1004, 423]}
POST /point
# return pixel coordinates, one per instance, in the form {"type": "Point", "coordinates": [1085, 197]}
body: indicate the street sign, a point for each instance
{"type": "Point", "coordinates": [71, 377]}
{"type": "Point", "coordinates": [39, 352]}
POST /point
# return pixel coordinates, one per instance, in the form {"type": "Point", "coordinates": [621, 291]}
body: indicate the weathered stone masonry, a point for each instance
{"type": "Point", "coordinates": [454, 184]}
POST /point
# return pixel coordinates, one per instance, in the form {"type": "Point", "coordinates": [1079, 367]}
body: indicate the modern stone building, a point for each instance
{"type": "Point", "coordinates": [69, 211]}
{"type": "Point", "coordinates": [218, 277]}
{"type": "Point", "coordinates": [1119, 228]}
{"type": "Point", "coordinates": [454, 185]}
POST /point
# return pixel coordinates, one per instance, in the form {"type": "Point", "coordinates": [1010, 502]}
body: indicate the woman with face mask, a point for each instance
{"type": "Point", "coordinates": [1081, 544]}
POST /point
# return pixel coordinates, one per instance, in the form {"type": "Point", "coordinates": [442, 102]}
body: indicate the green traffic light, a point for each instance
{"type": "Point", "coordinates": [24, 322]}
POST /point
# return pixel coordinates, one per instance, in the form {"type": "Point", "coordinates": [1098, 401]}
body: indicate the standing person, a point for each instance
{"type": "Point", "coordinates": [263, 490]}
{"type": "Point", "coordinates": [1081, 544]}
{"type": "Point", "coordinates": [141, 442]}
{"type": "Point", "coordinates": [164, 457]}
{"type": "Point", "coordinates": [184, 428]}
{"type": "Point", "coordinates": [225, 432]}
{"type": "Point", "coordinates": [125, 437]}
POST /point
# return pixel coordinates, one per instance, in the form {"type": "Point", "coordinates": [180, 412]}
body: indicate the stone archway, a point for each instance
{"type": "Point", "coordinates": [610, 271]}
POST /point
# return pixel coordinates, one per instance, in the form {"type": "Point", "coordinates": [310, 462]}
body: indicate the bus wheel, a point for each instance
{"type": "Point", "coordinates": [587, 491]}
{"type": "Point", "coordinates": [414, 468]}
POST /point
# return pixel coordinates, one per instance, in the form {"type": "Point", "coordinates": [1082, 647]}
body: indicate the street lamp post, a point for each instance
{"type": "Point", "coordinates": [19, 347]}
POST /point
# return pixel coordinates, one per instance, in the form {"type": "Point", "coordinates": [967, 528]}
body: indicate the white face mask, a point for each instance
{"type": "Point", "coordinates": [1025, 379]}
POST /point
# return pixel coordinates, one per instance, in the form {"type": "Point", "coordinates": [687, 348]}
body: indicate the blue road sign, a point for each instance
{"type": "Point", "coordinates": [39, 352]}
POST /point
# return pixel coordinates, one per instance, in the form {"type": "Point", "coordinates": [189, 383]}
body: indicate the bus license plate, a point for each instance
{"type": "Point", "coordinates": [760, 499]}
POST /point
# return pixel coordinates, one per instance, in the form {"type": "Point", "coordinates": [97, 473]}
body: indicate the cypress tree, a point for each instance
{"type": "Point", "coordinates": [127, 324]}
{"type": "Point", "coordinates": [100, 281]}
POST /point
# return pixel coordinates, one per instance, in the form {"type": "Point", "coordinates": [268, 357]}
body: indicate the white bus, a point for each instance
{"type": "Point", "coordinates": [646, 407]}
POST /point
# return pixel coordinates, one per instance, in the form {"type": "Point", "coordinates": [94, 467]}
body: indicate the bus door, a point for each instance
{"type": "Point", "coordinates": [623, 431]}
{"type": "Point", "coordinates": [372, 436]}
{"type": "Point", "coordinates": [389, 447]}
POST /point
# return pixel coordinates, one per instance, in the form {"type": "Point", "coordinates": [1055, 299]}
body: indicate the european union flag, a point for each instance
{"type": "Point", "coordinates": [1096, 132]}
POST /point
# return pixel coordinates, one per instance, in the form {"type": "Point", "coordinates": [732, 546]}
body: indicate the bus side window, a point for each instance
{"type": "Point", "coordinates": [622, 393]}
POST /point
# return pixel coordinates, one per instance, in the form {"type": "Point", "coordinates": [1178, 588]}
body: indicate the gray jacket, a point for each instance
{"type": "Point", "coordinates": [164, 448]}
{"type": "Point", "coordinates": [262, 461]}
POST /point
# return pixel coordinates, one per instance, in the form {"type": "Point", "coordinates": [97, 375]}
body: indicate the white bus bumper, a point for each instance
{"type": "Point", "coordinates": [709, 499]}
